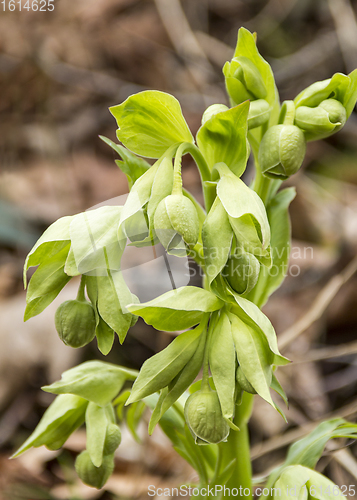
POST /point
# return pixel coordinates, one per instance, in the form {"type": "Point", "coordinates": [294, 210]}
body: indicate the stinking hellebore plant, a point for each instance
{"type": "Point", "coordinates": [238, 237]}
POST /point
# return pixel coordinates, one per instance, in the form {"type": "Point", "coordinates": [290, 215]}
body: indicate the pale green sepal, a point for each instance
{"type": "Point", "coordinates": [223, 139]}
{"type": "Point", "coordinates": [241, 201]}
{"type": "Point", "coordinates": [217, 235]}
{"type": "Point", "coordinates": [96, 428]}
{"type": "Point", "coordinates": [325, 89]}
{"type": "Point", "coordinates": [158, 371]}
{"type": "Point", "coordinates": [94, 239]}
{"type": "Point", "coordinates": [177, 309]}
{"type": "Point", "coordinates": [52, 241]}
{"type": "Point", "coordinates": [95, 381]}
{"type": "Point", "coordinates": [61, 418]}
{"type": "Point", "coordinates": [252, 313]}
{"type": "Point", "coordinates": [132, 166]}
{"type": "Point", "coordinates": [46, 283]}
{"type": "Point", "coordinates": [222, 364]}
{"type": "Point", "coordinates": [187, 375]}
{"type": "Point", "coordinates": [156, 414]}
{"type": "Point", "coordinates": [150, 122]}
{"type": "Point", "coordinates": [113, 297]}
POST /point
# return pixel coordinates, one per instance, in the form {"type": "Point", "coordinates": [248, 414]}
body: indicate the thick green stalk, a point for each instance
{"type": "Point", "coordinates": [237, 447]}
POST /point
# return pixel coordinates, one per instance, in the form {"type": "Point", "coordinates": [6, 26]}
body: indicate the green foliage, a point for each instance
{"type": "Point", "coordinates": [150, 122]}
{"type": "Point", "coordinates": [241, 240]}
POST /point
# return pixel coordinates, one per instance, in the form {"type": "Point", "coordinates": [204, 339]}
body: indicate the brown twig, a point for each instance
{"type": "Point", "coordinates": [318, 307]}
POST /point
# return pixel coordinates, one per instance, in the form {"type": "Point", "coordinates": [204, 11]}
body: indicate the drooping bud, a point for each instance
{"type": "Point", "coordinates": [204, 417]}
{"type": "Point", "coordinates": [282, 151]}
{"type": "Point", "coordinates": [259, 113]}
{"type": "Point", "coordinates": [92, 475]}
{"type": "Point", "coordinates": [244, 382]}
{"type": "Point", "coordinates": [243, 80]}
{"type": "Point", "coordinates": [112, 439]}
{"type": "Point", "coordinates": [176, 221]}
{"type": "Point", "coordinates": [212, 110]}
{"type": "Point", "coordinates": [75, 322]}
{"type": "Point", "coordinates": [242, 271]}
{"type": "Point", "coordinates": [322, 121]}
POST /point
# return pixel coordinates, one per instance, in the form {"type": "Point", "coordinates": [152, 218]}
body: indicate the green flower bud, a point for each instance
{"type": "Point", "coordinates": [259, 113]}
{"type": "Point", "coordinates": [92, 475]}
{"type": "Point", "coordinates": [282, 151]}
{"type": "Point", "coordinates": [212, 110]}
{"type": "Point", "coordinates": [75, 323]}
{"type": "Point", "coordinates": [176, 220]}
{"type": "Point", "coordinates": [324, 120]}
{"type": "Point", "coordinates": [137, 226]}
{"type": "Point", "coordinates": [112, 439]}
{"type": "Point", "coordinates": [243, 80]}
{"type": "Point", "coordinates": [244, 382]}
{"type": "Point", "coordinates": [242, 271]}
{"type": "Point", "coordinates": [204, 417]}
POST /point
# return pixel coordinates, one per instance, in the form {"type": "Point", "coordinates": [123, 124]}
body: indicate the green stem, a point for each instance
{"type": "Point", "coordinates": [237, 448]}
{"type": "Point", "coordinates": [209, 191]}
{"type": "Point", "coordinates": [80, 294]}
{"type": "Point", "coordinates": [177, 185]}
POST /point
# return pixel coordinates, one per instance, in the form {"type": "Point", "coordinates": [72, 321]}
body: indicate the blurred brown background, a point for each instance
{"type": "Point", "coordinates": [59, 73]}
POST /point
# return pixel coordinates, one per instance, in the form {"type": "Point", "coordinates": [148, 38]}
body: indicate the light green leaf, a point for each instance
{"type": "Point", "coordinates": [61, 418]}
{"type": "Point", "coordinates": [291, 482]}
{"type": "Point", "coordinates": [46, 283]}
{"type": "Point", "coordinates": [223, 364]}
{"type": "Point", "coordinates": [150, 122]}
{"type": "Point", "coordinates": [133, 417]}
{"type": "Point", "coordinates": [308, 450]}
{"type": "Point", "coordinates": [279, 221]}
{"type": "Point", "coordinates": [246, 212]}
{"type": "Point", "coordinates": [249, 312]}
{"type": "Point", "coordinates": [156, 414]}
{"type": "Point", "coordinates": [140, 193]}
{"type": "Point", "coordinates": [113, 297]}
{"type": "Point", "coordinates": [246, 47]}
{"type": "Point", "coordinates": [217, 235]}
{"type": "Point", "coordinates": [132, 166]}
{"type": "Point", "coordinates": [223, 138]}
{"type": "Point", "coordinates": [91, 233]}
{"type": "Point", "coordinates": [319, 91]}
{"type": "Point", "coordinates": [95, 381]}
{"type": "Point", "coordinates": [254, 356]}
{"type": "Point", "coordinates": [185, 378]}
{"type": "Point", "coordinates": [350, 96]}
{"type": "Point", "coordinates": [53, 240]}
{"type": "Point", "coordinates": [96, 428]}
{"type": "Point", "coordinates": [171, 422]}
{"type": "Point", "coordinates": [278, 389]}
{"type": "Point", "coordinates": [158, 371]}
{"type": "Point", "coordinates": [105, 337]}
{"type": "Point", "coordinates": [103, 332]}
{"type": "Point", "coordinates": [178, 309]}
{"type": "Point", "coordinates": [70, 267]}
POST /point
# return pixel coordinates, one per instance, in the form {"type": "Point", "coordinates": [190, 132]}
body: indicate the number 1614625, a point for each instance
{"type": "Point", "coordinates": [29, 5]}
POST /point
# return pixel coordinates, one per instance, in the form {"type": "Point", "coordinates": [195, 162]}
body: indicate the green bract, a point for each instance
{"type": "Point", "coordinates": [223, 138]}
{"type": "Point", "coordinates": [282, 151]}
{"type": "Point", "coordinates": [150, 122]}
